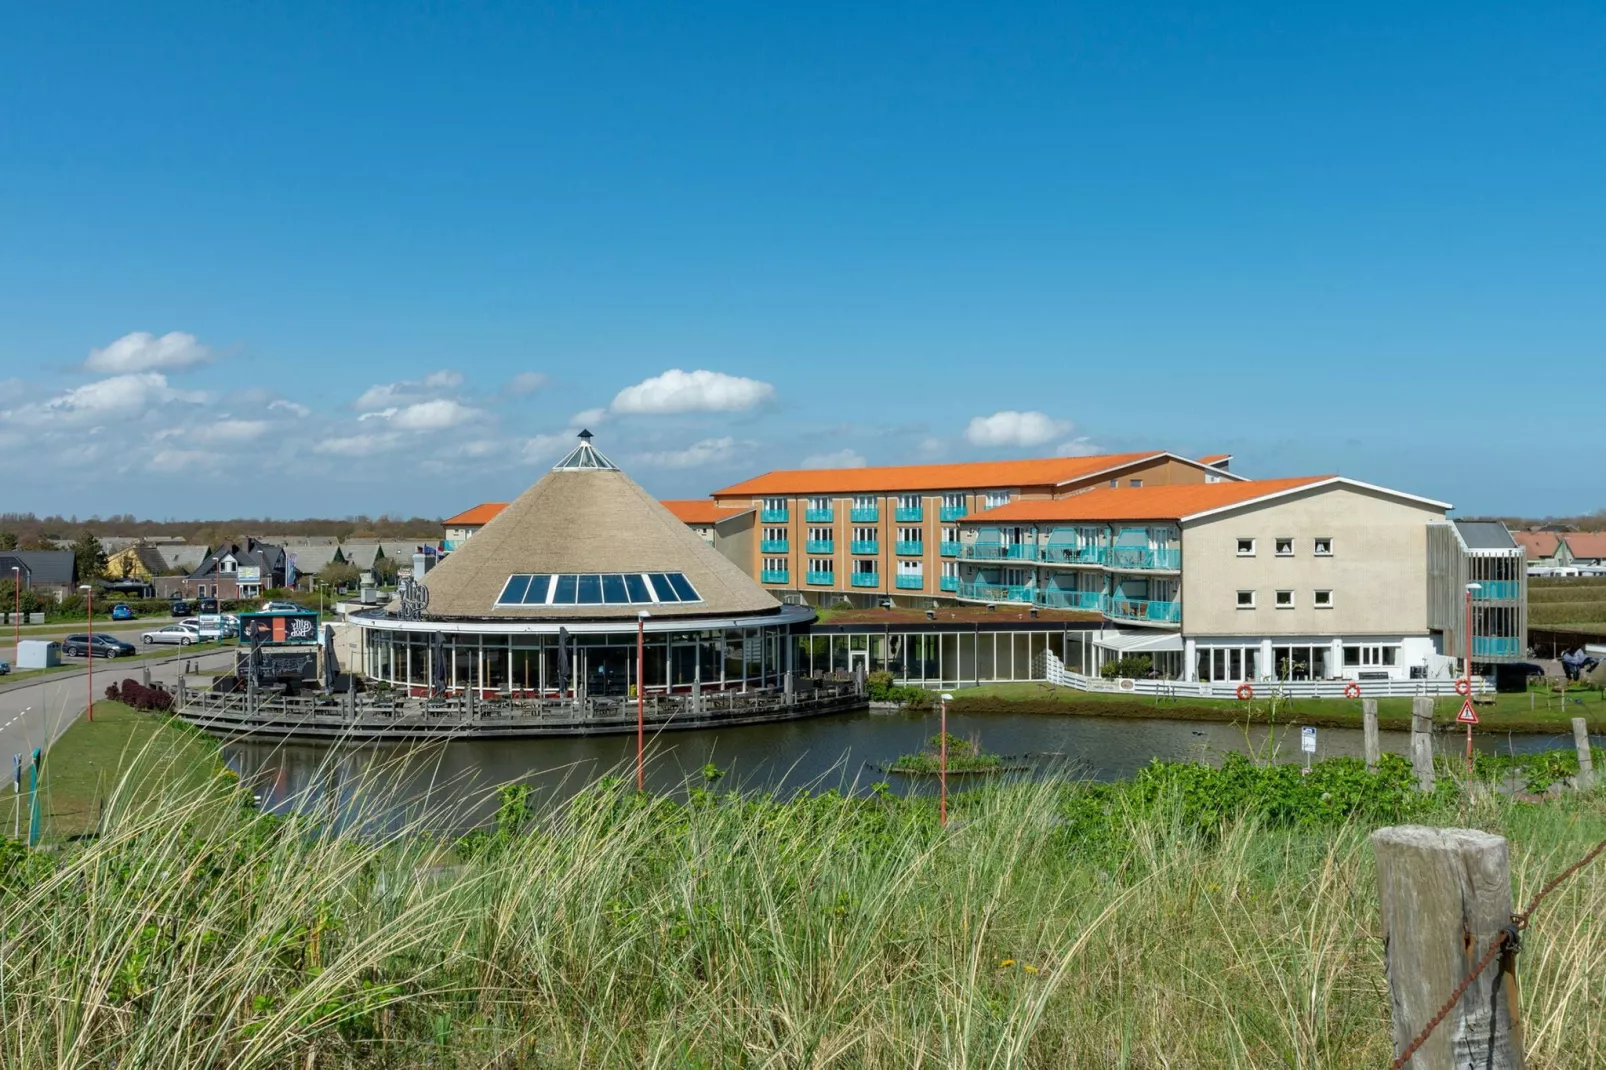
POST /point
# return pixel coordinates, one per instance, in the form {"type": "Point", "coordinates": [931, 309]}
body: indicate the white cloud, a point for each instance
{"type": "Point", "coordinates": [930, 447]}
{"type": "Point", "coordinates": [445, 379]}
{"type": "Point", "coordinates": [694, 391]}
{"type": "Point", "coordinates": [389, 395]}
{"type": "Point", "coordinates": [525, 384]}
{"type": "Point", "coordinates": [1081, 446]}
{"type": "Point", "coordinates": [1011, 428]}
{"type": "Point", "coordinates": [127, 396]}
{"type": "Point", "coordinates": [540, 448]}
{"type": "Point", "coordinates": [142, 351]}
{"type": "Point", "coordinates": [708, 451]}
{"type": "Point", "coordinates": [843, 458]}
{"type": "Point", "coordinates": [435, 415]}
{"type": "Point", "coordinates": [359, 445]}
{"type": "Point", "coordinates": [588, 417]}
{"type": "Point", "coordinates": [226, 431]}
{"type": "Point", "coordinates": [291, 407]}
{"type": "Point", "coordinates": [181, 460]}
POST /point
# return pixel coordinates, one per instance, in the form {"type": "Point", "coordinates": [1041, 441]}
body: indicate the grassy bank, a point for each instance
{"type": "Point", "coordinates": [1190, 917]}
{"type": "Point", "coordinates": [112, 666]}
{"type": "Point", "coordinates": [1540, 712]}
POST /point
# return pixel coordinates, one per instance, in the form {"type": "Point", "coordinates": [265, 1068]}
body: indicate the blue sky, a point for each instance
{"type": "Point", "coordinates": [298, 259]}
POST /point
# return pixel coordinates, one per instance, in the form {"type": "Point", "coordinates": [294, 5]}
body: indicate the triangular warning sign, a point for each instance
{"type": "Point", "coordinates": [1468, 715]}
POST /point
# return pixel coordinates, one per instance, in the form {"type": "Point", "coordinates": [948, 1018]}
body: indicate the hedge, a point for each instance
{"type": "Point", "coordinates": [1542, 613]}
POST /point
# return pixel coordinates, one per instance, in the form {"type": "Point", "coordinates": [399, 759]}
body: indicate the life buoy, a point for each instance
{"type": "Point", "coordinates": [1352, 690]}
{"type": "Point", "coordinates": [1463, 687]}
{"type": "Point", "coordinates": [1245, 691]}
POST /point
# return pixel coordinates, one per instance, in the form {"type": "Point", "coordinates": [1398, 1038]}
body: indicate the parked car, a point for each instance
{"type": "Point", "coordinates": [206, 605]}
{"type": "Point", "coordinates": [179, 608]}
{"type": "Point", "coordinates": [220, 629]}
{"type": "Point", "coordinates": [280, 607]}
{"type": "Point", "coordinates": [121, 612]}
{"type": "Point", "coordinates": [5, 667]}
{"type": "Point", "coordinates": [99, 645]}
{"type": "Point", "coordinates": [172, 634]}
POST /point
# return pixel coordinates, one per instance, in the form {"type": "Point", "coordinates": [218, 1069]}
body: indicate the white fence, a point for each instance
{"type": "Point", "coordinates": [1054, 671]}
{"type": "Point", "coordinates": [22, 618]}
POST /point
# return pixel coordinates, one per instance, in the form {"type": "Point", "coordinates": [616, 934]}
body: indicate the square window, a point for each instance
{"type": "Point", "coordinates": [1246, 599]}
{"type": "Point", "coordinates": [1134, 482]}
{"type": "Point", "coordinates": [1285, 547]}
{"type": "Point", "coordinates": [1246, 547]}
{"type": "Point", "coordinates": [1324, 547]}
{"type": "Point", "coordinates": [1114, 483]}
{"type": "Point", "coordinates": [1285, 599]}
{"type": "Point", "coordinates": [1323, 600]}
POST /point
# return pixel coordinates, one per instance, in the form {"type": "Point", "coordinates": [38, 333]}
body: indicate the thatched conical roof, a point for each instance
{"type": "Point", "coordinates": [586, 516]}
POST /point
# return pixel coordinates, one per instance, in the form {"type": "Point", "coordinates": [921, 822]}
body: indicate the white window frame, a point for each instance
{"type": "Point", "coordinates": [910, 501]}
{"type": "Point", "coordinates": [1243, 552]}
{"type": "Point", "coordinates": [1277, 600]}
{"type": "Point", "coordinates": [912, 535]}
{"type": "Point", "coordinates": [775, 564]}
{"type": "Point", "coordinates": [1249, 604]}
{"type": "Point", "coordinates": [950, 570]}
{"type": "Point", "coordinates": [822, 534]}
{"type": "Point", "coordinates": [866, 534]}
{"type": "Point", "coordinates": [822, 566]}
{"type": "Point", "coordinates": [774, 503]}
{"type": "Point", "coordinates": [1280, 542]}
{"type": "Point", "coordinates": [1316, 598]}
{"type": "Point", "coordinates": [911, 567]}
{"type": "Point", "coordinates": [953, 501]}
{"type": "Point", "coordinates": [864, 501]}
{"type": "Point", "coordinates": [1316, 546]}
{"type": "Point", "coordinates": [866, 566]}
{"type": "Point", "coordinates": [950, 533]}
{"type": "Point", "coordinates": [992, 499]}
{"type": "Point", "coordinates": [819, 503]}
{"type": "Point", "coordinates": [774, 534]}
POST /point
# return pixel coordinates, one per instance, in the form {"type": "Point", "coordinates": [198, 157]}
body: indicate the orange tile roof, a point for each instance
{"type": "Point", "coordinates": [1215, 458]}
{"type": "Point", "coordinates": [701, 510]}
{"type": "Point", "coordinates": [1537, 543]}
{"type": "Point", "coordinates": [1586, 543]}
{"type": "Point", "coordinates": [1044, 471]}
{"type": "Point", "coordinates": [482, 513]}
{"type": "Point", "coordinates": [1142, 503]}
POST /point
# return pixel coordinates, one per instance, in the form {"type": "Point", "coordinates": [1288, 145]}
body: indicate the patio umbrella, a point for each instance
{"type": "Point", "coordinates": [437, 671]}
{"type": "Point", "coordinates": [563, 660]}
{"type": "Point", "coordinates": [331, 667]}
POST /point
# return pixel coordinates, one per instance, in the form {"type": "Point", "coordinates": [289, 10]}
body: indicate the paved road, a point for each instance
{"type": "Point", "coordinates": [34, 713]}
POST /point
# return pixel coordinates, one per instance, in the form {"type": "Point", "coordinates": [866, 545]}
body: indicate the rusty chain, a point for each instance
{"type": "Point", "coordinates": [1510, 937]}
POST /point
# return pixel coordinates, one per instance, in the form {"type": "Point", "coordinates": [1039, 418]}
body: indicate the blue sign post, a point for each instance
{"type": "Point", "coordinates": [16, 796]}
{"type": "Point", "coordinates": [33, 798]}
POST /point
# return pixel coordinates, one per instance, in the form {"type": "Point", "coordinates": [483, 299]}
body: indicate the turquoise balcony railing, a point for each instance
{"type": "Point", "coordinates": [953, 512]}
{"type": "Point", "coordinates": [909, 514]}
{"type": "Point", "coordinates": [1064, 553]}
{"type": "Point", "coordinates": [865, 514]}
{"type": "Point", "coordinates": [822, 579]}
{"type": "Point", "coordinates": [1141, 557]}
{"type": "Point", "coordinates": [1496, 590]}
{"type": "Point", "coordinates": [448, 545]}
{"type": "Point", "coordinates": [772, 546]}
{"type": "Point", "coordinates": [910, 548]}
{"type": "Point", "coordinates": [865, 546]}
{"type": "Point", "coordinates": [995, 592]}
{"type": "Point", "coordinates": [1055, 598]}
{"type": "Point", "coordinates": [773, 516]}
{"type": "Point", "coordinates": [819, 546]}
{"type": "Point", "coordinates": [910, 583]}
{"type": "Point", "coordinates": [774, 575]}
{"type": "Point", "coordinates": [1122, 608]}
{"type": "Point", "coordinates": [948, 583]}
{"type": "Point", "coordinates": [866, 579]}
{"type": "Point", "coordinates": [818, 516]}
{"type": "Point", "coordinates": [1495, 646]}
{"type": "Point", "coordinates": [993, 551]}
{"type": "Point", "coordinates": [949, 549]}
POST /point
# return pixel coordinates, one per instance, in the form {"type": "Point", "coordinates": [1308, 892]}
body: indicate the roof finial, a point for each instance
{"type": "Point", "coordinates": [584, 435]}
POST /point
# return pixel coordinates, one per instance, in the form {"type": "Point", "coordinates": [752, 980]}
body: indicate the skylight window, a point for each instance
{"type": "Point", "coordinates": [598, 589]}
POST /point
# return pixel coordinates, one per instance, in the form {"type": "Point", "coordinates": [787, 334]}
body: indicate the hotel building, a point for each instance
{"type": "Point", "coordinates": [868, 536]}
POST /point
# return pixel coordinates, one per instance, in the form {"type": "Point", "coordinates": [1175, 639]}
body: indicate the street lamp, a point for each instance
{"type": "Point", "coordinates": [89, 651]}
{"type": "Point", "coordinates": [641, 699]}
{"type": "Point", "coordinates": [1471, 588]}
{"type": "Point", "coordinates": [942, 762]}
{"type": "Point", "coordinates": [16, 616]}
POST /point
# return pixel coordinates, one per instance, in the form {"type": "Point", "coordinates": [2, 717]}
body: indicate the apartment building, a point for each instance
{"type": "Point", "coordinates": [1313, 578]}
{"type": "Point", "coordinates": [463, 526]}
{"type": "Point", "coordinates": [871, 535]}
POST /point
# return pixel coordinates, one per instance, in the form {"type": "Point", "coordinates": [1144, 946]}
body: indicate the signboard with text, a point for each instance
{"type": "Point", "coordinates": [285, 627]}
{"type": "Point", "coordinates": [248, 574]}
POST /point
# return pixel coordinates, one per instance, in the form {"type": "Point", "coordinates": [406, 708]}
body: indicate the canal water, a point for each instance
{"type": "Point", "coordinates": [453, 783]}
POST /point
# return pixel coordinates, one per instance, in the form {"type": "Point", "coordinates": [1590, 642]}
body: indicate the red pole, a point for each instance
{"type": "Point", "coordinates": [641, 703]}
{"type": "Point", "coordinates": [942, 776]}
{"type": "Point", "coordinates": [16, 616]}
{"type": "Point", "coordinates": [91, 595]}
{"type": "Point", "coordinates": [1469, 675]}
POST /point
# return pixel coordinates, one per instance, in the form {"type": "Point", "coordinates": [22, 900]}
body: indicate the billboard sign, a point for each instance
{"type": "Point", "coordinates": [248, 574]}
{"type": "Point", "coordinates": [285, 627]}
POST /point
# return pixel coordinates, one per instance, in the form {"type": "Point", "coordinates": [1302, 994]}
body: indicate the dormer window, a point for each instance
{"type": "Point", "coordinates": [226, 564]}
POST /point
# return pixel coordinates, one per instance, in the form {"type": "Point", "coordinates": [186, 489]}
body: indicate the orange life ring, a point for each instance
{"type": "Point", "coordinates": [1352, 690]}
{"type": "Point", "coordinates": [1245, 691]}
{"type": "Point", "coordinates": [1463, 687]}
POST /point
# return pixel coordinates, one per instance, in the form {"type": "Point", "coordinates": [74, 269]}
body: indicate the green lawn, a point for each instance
{"type": "Point", "coordinates": [113, 665]}
{"type": "Point", "coordinates": [85, 766]}
{"type": "Point", "coordinates": [1536, 711]}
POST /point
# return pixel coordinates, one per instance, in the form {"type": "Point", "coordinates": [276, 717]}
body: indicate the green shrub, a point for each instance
{"type": "Point", "coordinates": [1543, 613]}
{"type": "Point", "coordinates": [1131, 666]}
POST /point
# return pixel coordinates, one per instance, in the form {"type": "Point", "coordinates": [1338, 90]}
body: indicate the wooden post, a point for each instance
{"type": "Point", "coordinates": [1422, 741]}
{"type": "Point", "coordinates": [1445, 896]}
{"type": "Point", "coordinates": [1369, 732]}
{"type": "Point", "coordinates": [1586, 761]}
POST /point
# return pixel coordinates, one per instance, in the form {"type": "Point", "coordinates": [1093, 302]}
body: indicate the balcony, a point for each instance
{"type": "Point", "coordinates": [772, 546]}
{"type": "Point", "coordinates": [993, 551]}
{"type": "Point", "coordinates": [949, 549]}
{"type": "Point", "coordinates": [948, 583]}
{"type": "Point", "coordinates": [909, 514]}
{"type": "Point", "coordinates": [1119, 607]}
{"type": "Point", "coordinates": [774, 516]}
{"type": "Point", "coordinates": [910, 583]}
{"type": "Point", "coordinates": [1066, 553]}
{"type": "Point", "coordinates": [953, 512]}
{"type": "Point", "coordinates": [822, 579]}
{"type": "Point", "coordinates": [910, 548]}
{"type": "Point", "coordinates": [1141, 557]}
{"type": "Point", "coordinates": [866, 579]}
{"type": "Point", "coordinates": [865, 546]}
{"type": "Point", "coordinates": [1495, 646]}
{"type": "Point", "coordinates": [1054, 598]}
{"type": "Point", "coordinates": [448, 545]}
{"type": "Point", "coordinates": [865, 514]}
{"type": "Point", "coordinates": [774, 575]}
{"type": "Point", "coordinates": [818, 516]}
{"type": "Point", "coordinates": [995, 592]}
{"type": "Point", "coordinates": [819, 546]}
{"type": "Point", "coordinates": [1497, 591]}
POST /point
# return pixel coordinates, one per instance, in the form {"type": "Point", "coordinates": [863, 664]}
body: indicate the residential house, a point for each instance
{"type": "Point", "coordinates": [1544, 549]}
{"type": "Point", "coordinates": [232, 571]}
{"type": "Point", "coordinates": [1586, 548]}
{"type": "Point", "coordinates": [461, 527]}
{"type": "Point", "coordinates": [137, 561]}
{"type": "Point", "coordinates": [52, 572]}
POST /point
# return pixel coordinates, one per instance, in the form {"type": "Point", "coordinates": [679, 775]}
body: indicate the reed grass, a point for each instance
{"type": "Point", "coordinates": [1053, 924]}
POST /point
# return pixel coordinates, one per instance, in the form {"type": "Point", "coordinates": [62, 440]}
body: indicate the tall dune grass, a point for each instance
{"type": "Point", "coordinates": [1053, 925]}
